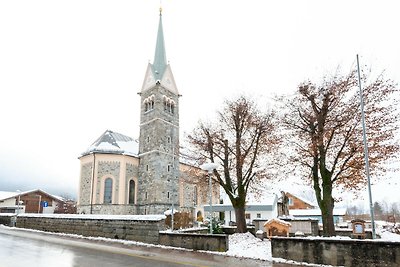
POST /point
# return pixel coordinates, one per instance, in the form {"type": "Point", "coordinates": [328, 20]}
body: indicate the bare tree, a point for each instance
{"type": "Point", "coordinates": [323, 128]}
{"type": "Point", "coordinates": [240, 142]}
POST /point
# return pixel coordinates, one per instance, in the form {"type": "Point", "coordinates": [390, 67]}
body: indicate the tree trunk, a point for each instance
{"type": "Point", "coordinates": [240, 219]}
{"type": "Point", "coordinates": [328, 225]}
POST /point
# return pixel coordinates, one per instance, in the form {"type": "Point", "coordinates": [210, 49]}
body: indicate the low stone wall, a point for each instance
{"type": "Point", "coordinates": [342, 252]}
{"type": "Point", "coordinates": [349, 232]}
{"type": "Point", "coordinates": [142, 228]}
{"type": "Point", "coordinates": [108, 209]}
{"type": "Point", "coordinates": [6, 218]}
{"type": "Point", "coordinates": [195, 241]}
{"type": "Point", "coordinates": [230, 230]}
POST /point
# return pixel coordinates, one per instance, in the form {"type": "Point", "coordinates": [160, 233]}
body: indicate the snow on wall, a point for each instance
{"type": "Point", "coordinates": [97, 217]}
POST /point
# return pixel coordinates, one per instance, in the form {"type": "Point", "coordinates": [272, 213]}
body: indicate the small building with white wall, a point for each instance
{"type": "Point", "coordinates": [338, 214]}
{"type": "Point", "coordinates": [264, 209]}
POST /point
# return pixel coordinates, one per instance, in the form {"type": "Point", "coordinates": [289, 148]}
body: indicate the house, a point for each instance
{"type": "Point", "coordinates": [264, 209]}
{"type": "Point", "coordinates": [297, 202]}
{"type": "Point", "coordinates": [32, 201]}
{"type": "Point", "coordinates": [301, 208]}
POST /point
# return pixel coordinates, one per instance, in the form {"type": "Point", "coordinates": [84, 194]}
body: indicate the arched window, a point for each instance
{"type": "Point", "coordinates": [149, 103]}
{"type": "Point", "coordinates": [169, 105]}
{"type": "Point", "coordinates": [165, 103]}
{"type": "Point", "coordinates": [131, 192]}
{"type": "Point", "coordinates": [108, 183]}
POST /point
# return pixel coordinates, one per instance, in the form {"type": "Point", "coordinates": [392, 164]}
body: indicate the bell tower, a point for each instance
{"type": "Point", "coordinates": [159, 135]}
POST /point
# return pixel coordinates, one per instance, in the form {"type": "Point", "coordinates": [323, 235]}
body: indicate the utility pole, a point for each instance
{"type": "Point", "coordinates": [371, 205]}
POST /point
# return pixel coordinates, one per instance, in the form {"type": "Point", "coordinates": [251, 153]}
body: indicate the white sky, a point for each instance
{"type": "Point", "coordinates": [69, 70]}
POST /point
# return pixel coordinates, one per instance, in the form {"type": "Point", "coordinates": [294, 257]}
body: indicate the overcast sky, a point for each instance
{"type": "Point", "coordinates": [69, 70]}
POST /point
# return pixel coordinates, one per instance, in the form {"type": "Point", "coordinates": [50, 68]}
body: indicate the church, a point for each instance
{"type": "Point", "coordinates": [122, 175]}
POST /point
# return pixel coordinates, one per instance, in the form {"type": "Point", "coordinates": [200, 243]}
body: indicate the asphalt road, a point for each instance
{"type": "Point", "coordinates": [21, 248]}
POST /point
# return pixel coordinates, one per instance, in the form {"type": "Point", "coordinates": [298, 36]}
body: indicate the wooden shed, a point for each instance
{"type": "Point", "coordinates": [276, 227]}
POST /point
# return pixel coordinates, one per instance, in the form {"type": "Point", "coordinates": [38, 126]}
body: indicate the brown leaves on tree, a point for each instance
{"type": "Point", "coordinates": [239, 141]}
{"type": "Point", "coordinates": [324, 131]}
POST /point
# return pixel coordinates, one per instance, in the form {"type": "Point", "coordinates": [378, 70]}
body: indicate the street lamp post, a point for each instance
{"type": "Point", "coordinates": [19, 200]}
{"type": "Point", "coordinates": [210, 167]}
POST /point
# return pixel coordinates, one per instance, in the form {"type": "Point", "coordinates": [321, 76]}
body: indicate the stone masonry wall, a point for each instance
{"type": "Point", "coordinates": [337, 252]}
{"type": "Point", "coordinates": [142, 229]}
{"type": "Point", "coordinates": [131, 171]}
{"type": "Point", "coordinates": [105, 168]}
{"type": "Point", "coordinates": [86, 178]}
{"type": "Point", "coordinates": [114, 209]}
{"type": "Point", "coordinates": [195, 241]}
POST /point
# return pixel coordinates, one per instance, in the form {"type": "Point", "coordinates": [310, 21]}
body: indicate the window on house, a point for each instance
{"type": "Point", "coordinates": [168, 195]}
{"type": "Point", "coordinates": [168, 139]}
{"type": "Point", "coordinates": [108, 183]}
{"type": "Point", "coordinates": [145, 195]}
{"type": "Point", "coordinates": [290, 201]}
{"type": "Point", "coordinates": [258, 215]}
{"type": "Point", "coordinates": [247, 216]}
{"type": "Point", "coordinates": [148, 139]}
{"type": "Point", "coordinates": [131, 192]}
{"type": "Point", "coordinates": [147, 167]}
{"type": "Point", "coordinates": [169, 168]}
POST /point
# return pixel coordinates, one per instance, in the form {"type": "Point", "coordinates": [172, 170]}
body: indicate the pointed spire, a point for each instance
{"type": "Point", "coordinates": [160, 58]}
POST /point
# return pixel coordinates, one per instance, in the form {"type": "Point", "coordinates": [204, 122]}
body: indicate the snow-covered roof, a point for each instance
{"type": "Point", "coordinates": [7, 195]}
{"type": "Point", "coordinates": [304, 200]}
{"type": "Point", "coordinates": [114, 143]}
{"type": "Point", "coordinates": [260, 198]}
{"type": "Point", "coordinates": [278, 221]}
{"type": "Point", "coordinates": [316, 212]}
{"type": "Point", "coordinates": [265, 205]}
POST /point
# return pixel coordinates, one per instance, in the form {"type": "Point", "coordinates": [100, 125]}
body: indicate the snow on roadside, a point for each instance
{"type": "Point", "coordinates": [389, 236]}
{"type": "Point", "coordinates": [248, 246]}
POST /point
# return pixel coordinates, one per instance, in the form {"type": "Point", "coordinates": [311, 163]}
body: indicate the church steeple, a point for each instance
{"type": "Point", "coordinates": [160, 58]}
{"type": "Point", "coordinates": [160, 71]}
{"type": "Point", "coordinates": [159, 171]}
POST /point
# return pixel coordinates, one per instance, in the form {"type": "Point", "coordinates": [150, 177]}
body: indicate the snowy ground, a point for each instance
{"type": "Point", "coordinates": [240, 245]}
{"type": "Point", "coordinates": [248, 246]}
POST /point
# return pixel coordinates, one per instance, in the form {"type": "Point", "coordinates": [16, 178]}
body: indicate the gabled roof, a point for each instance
{"type": "Point", "coordinates": [7, 195]}
{"type": "Point", "coordinates": [304, 200]}
{"type": "Point", "coordinates": [114, 143]}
